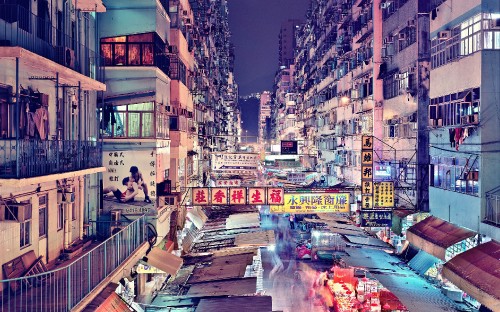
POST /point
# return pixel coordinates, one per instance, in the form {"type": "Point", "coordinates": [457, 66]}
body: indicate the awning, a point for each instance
{"type": "Point", "coordinates": [163, 260]}
{"type": "Point", "coordinates": [434, 236]}
{"type": "Point", "coordinates": [422, 262]}
{"type": "Point", "coordinates": [477, 272]}
{"type": "Point", "coordinates": [129, 98]}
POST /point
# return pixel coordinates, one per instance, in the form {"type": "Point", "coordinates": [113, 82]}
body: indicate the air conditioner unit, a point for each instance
{"type": "Point", "coordinates": [385, 5]}
{"type": "Point", "coordinates": [473, 119]}
{"type": "Point", "coordinates": [173, 49]}
{"type": "Point", "coordinates": [65, 197]}
{"type": "Point", "coordinates": [65, 56]}
{"type": "Point", "coordinates": [464, 120]}
{"type": "Point", "coordinates": [15, 212]}
{"type": "Point", "coordinates": [444, 35]}
{"type": "Point", "coordinates": [495, 23]}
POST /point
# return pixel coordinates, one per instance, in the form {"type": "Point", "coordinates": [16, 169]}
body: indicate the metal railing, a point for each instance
{"type": "Point", "coordinates": [64, 288]}
{"type": "Point", "coordinates": [493, 207]}
{"type": "Point", "coordinates": [20, 27]}
{"type": "Point", "coordinates": [30, 158]}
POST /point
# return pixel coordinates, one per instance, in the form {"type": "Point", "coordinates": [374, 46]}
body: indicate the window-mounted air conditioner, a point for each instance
{"type": "Point", "coordinates": [65, 197]}
{"type": "Point", "coordinates": [444, 35]}
{"type": "Point", "coordinates": [15, 212]}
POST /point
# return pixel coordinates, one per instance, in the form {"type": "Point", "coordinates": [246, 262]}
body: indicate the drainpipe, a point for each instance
{"type": "Point", "coordinates": [67, 225]}
{"type": "Point", "coordinates": [16, 117]}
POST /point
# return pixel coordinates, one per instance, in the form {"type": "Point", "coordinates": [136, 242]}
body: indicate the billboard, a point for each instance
{"type": "Point", "coordinates": [313, 203]}
{"type": "Point", "coordinates": [131, 175]}
{"type": "Point", "coordinates": [223, 162]}
{"type": "Point", "coordinates": [289, 148]}
{"type": "Point", "coordinates": [237, 195]}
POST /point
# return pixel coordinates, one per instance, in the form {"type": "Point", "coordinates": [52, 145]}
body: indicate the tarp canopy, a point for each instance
{"type": "Point", "coordinates": [477, 272]}
{"type": "Point", "coordinates": [434, 236]}
{"type": "Point", "coordinates": [163, 260]}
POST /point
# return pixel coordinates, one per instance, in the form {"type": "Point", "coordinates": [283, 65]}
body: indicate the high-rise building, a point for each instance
{"type": "Point", "coordinates": [287, 41]}
{"type": "Point", "coordinates": [264, 115]}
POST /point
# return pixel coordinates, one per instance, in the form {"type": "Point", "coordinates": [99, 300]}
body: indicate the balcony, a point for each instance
{"type": "Point", "coordinates": [63, 288]}
{"type": "Point", "coordinates": [21, 28]}
{"type": "Point", "coordinates": [29, 158]}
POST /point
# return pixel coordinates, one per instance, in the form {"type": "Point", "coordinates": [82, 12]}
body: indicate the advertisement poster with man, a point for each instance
{"type": "Point", "coordinates": [130, 176]}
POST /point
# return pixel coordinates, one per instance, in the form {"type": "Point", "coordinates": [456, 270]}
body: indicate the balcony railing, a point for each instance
{"type": "Point", "coordinates": [19, 27]}
{"type": "Point", "coordinates": [30, 158]}
{"type": "Point", "coordinates": [64, 288]}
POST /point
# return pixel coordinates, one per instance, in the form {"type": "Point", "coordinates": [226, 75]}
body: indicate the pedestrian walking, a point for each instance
{"type": "Point", "coordinates": [292, 221]}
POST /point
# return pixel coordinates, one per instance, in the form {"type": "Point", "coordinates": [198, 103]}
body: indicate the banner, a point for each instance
{"type": "Point", "coordinates": [313, 203]}
{"type": "Point", "coordinates": [234, 161]}
{"type": "Point", "coordinates": [130, 175]}
{"type": "Point", "coordinates": [237, 196]}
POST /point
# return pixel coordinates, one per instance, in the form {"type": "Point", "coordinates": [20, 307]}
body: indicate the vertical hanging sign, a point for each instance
{"type": "Point", "coordinates": [366, 172]}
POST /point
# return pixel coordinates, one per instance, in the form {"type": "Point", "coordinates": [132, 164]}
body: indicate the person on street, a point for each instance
{"type": "Point", "coordinates": [292, 221]}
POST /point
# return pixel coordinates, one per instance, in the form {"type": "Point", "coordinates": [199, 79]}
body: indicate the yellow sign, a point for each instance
{"type": "Point", "coordinates": [367, 187]}
{"type": "Point", "coordinates": [313, 203]}
{"type": "Point", "coordinates": [383, 194]}
{"type": "Point", "coordinates": [367, 142]}
{"type": "Point", "coordinates": [367, 157]}
{"type": "Point", "coordinates": [366, 201]}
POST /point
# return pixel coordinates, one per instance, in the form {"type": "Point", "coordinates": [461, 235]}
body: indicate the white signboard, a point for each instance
{"type": "Point", "coordinates": [296, 177]}
{"type": "Point", "coordinates": [234, 161]}
{"type": "Point", "coordinates": [130, 173]}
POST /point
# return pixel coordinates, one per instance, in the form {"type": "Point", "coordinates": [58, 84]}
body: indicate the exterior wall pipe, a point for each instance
{"type": "Point", "coordinates": [378, 84]}
{"type": "Point", "coordinates": [16, 117]}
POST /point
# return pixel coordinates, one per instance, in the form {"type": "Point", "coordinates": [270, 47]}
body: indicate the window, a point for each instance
{"type": "Point", "coordinates": [132, 50]}
{"type": "Point", "coordinates": [60, 216]}
{"type": "Point", "coordinates": [24, 215]}
{"type": "Point", "coordinates": [42, 215]}
{"type": "Point", "coordinates": [134, 120]}
{"type": "Point", "coordinates": [458, 178]}
{"type": "Point", "coordinates": [460, 108]}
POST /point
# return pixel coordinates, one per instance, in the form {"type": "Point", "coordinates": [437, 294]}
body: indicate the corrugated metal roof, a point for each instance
{"type": "Point", "coordinates": [233, 287]}
{"type": "Point", "coordinates": [257, 239]}
{"type": "Point", "coordinates": [219, 272]}
{"type": "Point", "coordinates": [235, 304]}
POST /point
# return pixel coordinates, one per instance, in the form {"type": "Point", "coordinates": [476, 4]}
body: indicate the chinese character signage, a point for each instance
{"type": "Point", "coordinates": [219, 195]}
{"type": "Point", "coordinates": [313, 203]}
{"type": "Point", "coordinates": [376, 218]}
{"type": "Point", "coordinates": [383, 194]}
{"type": "Point", "coordinates": [289, 148]}
{"type": "Point", "coordinates": [256, 195]}
{"type": "Point", "coordinates": [228, 183]}
{"type": "Point", "coordinates": [131, 175]}
{"type": "Point", "coordinates": [223, 162]}
{"type": "Point", "coordinates": [237, 196]}
{"type": "Point", "coordinates": [366, 172]}
{"type": "Point", "coordinates": [275, 196]}
{"type": "Point", "coordinates": [199, 196]}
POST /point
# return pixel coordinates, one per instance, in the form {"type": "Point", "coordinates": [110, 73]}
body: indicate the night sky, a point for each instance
{"type": "Point", "coordinates": [255, 26]}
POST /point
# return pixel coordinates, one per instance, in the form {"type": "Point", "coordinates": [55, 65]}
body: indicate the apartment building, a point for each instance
{"type": "Point", "coordinates": [50, 152]}
{"type": "Point", "coordinates": [264, 115]}
{"type": "Point", "coordinates": [464, 115]}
